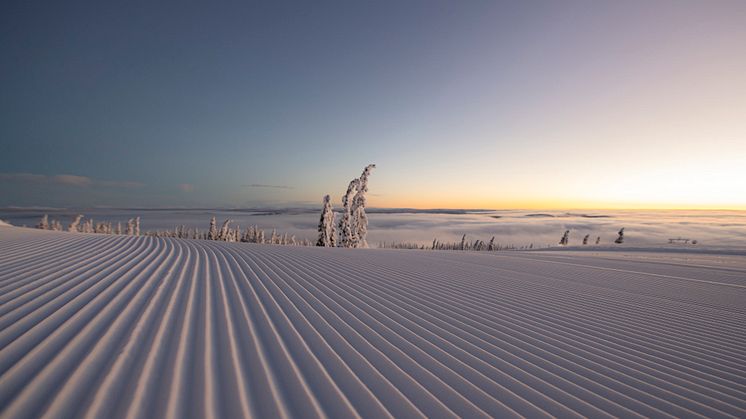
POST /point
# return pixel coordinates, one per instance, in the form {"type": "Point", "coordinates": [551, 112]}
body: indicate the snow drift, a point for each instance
{"type": "Point", "coordinates": [114, 326]}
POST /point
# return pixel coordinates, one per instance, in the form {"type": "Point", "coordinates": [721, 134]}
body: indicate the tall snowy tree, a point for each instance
{"type": "Point", "coordinates": [224, 230]}
{"type": "Point", "coordinates": [346, 232]}
{"type": "Point", "coordinates": [130, 227]}
{"type": "Point", "coordinates": [565, 238]}
{"type": "Point", "coordinates": [213, 232]}
{"type": "Point", "coordinates": [327, 230]}
{"type": "Point", "coordinates": [359, 220]}
{"type": "Point", "coordinates": [598, 239]}
{"type": "Point", "coordinates": [137, 226]}
{"type": "Point", "coordinates": [74, 226]}
{"type": "Point", "coordinates": [44, 223]}
{"type": "Point", "coordinates": [620, 239]}
{"type": "Point", "coordinates": [585, 239]}
{"type": "Point", "coordinates": [491, 245]}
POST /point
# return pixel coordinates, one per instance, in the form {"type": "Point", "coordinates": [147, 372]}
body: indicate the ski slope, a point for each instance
{"type": "Point", "coordinates": [113, 326]}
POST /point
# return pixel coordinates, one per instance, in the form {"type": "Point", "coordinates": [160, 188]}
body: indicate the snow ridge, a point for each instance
{"type": "Point", "coordinates": [114, 326]}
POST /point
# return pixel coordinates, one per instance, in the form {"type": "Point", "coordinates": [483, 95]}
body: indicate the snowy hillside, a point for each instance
{"type": "Point", "coordinates": [113, 326]}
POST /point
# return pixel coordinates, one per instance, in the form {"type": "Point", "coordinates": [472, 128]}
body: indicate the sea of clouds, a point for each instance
{"type": "Point", "coordinates": [510, 227]}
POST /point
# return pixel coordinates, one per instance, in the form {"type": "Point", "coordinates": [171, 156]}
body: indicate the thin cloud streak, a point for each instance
{"type": "Point", "coordinates": [260, 185]}
{"type": "Point", "coordinates": [186, 187]}
{"type": "Point", "coordinates": [68, 180]}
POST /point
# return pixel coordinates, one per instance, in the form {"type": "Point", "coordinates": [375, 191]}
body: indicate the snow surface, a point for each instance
{"type": "Point", "coordinates": [111, 326]}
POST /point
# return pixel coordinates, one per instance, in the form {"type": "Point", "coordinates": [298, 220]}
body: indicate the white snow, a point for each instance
{"type": "Point", "coordinates": [95, 325]}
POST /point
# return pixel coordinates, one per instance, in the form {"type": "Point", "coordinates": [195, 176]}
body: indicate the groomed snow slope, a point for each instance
{"type": "Point", "coordinates": [107, 326]}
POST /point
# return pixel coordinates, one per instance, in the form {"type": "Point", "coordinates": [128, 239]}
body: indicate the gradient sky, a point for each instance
{"type": "Point", "coordinates": [478, 104]}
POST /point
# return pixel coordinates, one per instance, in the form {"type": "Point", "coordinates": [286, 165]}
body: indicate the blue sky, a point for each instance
{"type": "Point", "coordinates": [460, 104]}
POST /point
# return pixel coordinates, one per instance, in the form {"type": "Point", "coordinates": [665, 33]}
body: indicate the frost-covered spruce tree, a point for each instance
{"type": "Point", "coordinates": [212, 234]}
{"type": "Point", "coordinates": [620, 239]}
{"type": "Point", "coordinates": [327, 230]}
{"type": "Point", "coordinates": [585, 239]}
{"type": "Point", "coordinates": [118, 230]}
{"type": "Point", "coordinates": [565, 238]}
{"type": "Point", "coordinates": [74, 226]}
{"type": "Point", "coordinates": [359, 218]}
{"type": "Point", "coordinates": [137, 226]}
{"type": "Point", "coordinates": [346, 232]}
{"type": "Point", "coordinates": [224, 230]}
{"type": "Point", "coordinates": [43, 223]}
{"type": "Point", "coordinates": [491, 245]}
{"type": "Point", "coordinates": [130, 227]}
{"type": "Point", "coordinates": [274, 239]}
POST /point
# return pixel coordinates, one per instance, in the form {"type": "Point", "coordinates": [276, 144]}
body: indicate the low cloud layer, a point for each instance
{"type": "Point", "coordinates": [67, 180]}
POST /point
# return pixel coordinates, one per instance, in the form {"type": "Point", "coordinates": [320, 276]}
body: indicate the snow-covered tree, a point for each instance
{"type": "Point", "coordinates": [56, 226]}
{"type": "Point", "coordinates": [137, 226]}
{"type": "Point", "coordinates": [462, 246]}
{"type": "Point", "coordinates": [620, 239]}
{"type": "Point", "coordinates": [327, 230]}
{"type": "Point", "coordinates": [359, 220]}
{"type": "Point", "coordinates": [585, 239]}
{"type": "Point", "coordinates": [74, 226]}
{"type": "Point", "coordinates": [491, 245]}
{"type": "Point", "coordinates": [565, 238]}
{"type": "Point", "coordinates": [43, 223]}
{"type": "Point", "coordinates": [346, 231]}
{"type": "Point", "coordinates": [212, 234]}
{"type": "Point", "coordinates": [598, 239]}
{"type": "Point", "coordinates": [274, 239]}
{"type": "Point", "coordinates": [224, 230]}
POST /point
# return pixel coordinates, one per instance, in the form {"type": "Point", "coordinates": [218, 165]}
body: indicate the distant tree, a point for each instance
{"type": "Point", "coordinates": [212, 234]}
{"type": "Point", "coordinates": [565, 238]}
{"type": "Point", "coordinates": [44, 223]}
{"type": "Point", "coordinates": [130, 227]}
{"type": "Point", "coordinates": [462, 246]}
{"type": "Point", "coordinates": [137, 226]}
{"type": "Point", "coordinates": [273, 239]}
{"type": "Point", "coordinates": [224, 230]}
{"type": "Point", "coordinates": [118, 230]}
{"type": "Point", "coordinates": [585, 239]}
{"type": "Point", "coordinates": [491, 245]}
{"type": "Point", "coordinates": [74, 226]}
{"type": "Point", "coordinates": [620, 239]}
{"type": "Point", "coordinates": [598, 239]}
{"type": "Point", "coordinates": [327, 230]}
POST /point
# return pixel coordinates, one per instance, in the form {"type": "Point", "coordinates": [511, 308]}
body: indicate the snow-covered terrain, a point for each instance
{"type": "Point", "coordinates": [112, 326]}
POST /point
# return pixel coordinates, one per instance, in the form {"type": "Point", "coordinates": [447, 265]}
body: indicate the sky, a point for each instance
{"type": "Point", "coordinates": [478, 104]}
